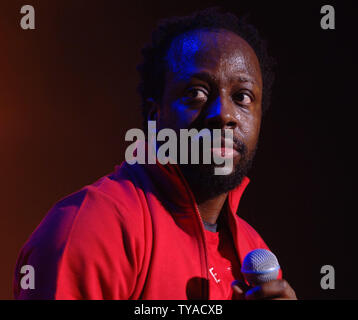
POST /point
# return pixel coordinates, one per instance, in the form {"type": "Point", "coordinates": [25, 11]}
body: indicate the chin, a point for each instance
{"type": "Point", "coordinates": [203, 181]}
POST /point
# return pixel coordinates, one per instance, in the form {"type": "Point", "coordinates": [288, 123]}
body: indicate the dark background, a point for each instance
{"type": "Point", "coordinates": [68, 95]}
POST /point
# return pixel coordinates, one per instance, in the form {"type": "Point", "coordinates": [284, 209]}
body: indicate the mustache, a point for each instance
{"type": "Point", "coordinates": [238, 145]}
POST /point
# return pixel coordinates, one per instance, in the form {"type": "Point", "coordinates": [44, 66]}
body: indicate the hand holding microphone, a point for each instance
{"type": "Point", "coordinates": [260, 269]}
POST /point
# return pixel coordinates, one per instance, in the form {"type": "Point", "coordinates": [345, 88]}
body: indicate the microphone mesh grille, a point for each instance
{"type": "Point", "coordinates": [260, 266]}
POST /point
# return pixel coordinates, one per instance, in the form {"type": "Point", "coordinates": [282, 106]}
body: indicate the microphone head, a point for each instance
{"type": "Point", "coordinates": [260, 266]}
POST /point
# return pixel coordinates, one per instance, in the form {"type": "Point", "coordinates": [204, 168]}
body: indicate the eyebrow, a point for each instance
{"type": "Point", "coordinates": [245, 78]}
{"type": "Point", "coordinates": [207, 77]}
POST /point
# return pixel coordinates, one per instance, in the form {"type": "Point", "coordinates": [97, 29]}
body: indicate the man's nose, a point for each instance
{"type": "Point", "coordinates": [221, 114]}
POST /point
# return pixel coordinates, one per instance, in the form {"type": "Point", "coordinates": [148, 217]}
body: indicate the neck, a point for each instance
{"type": "Point", "coordinates": [210, 209]}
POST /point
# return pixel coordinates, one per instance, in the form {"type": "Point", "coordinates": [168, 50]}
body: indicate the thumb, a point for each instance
{"type": "Point", "coordinates": [239, 288]}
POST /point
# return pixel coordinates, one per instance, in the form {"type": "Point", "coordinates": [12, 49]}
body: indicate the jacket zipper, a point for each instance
{"type": "Point", "coordinates": [201, 227]}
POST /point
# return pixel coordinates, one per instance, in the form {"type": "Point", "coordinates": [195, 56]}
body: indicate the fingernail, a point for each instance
{"type": "Point", "coordinates": [235, 283]}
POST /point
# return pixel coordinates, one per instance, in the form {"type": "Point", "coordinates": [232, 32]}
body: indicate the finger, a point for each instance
{"type": "Point", "coordinates": [239, 288]}
{"type": "Point", "coordinates": [241, 284]}
{"type": "Point", "coordinates": [238, 294]}
{"type": "Point", "coordinates": [275, 289]}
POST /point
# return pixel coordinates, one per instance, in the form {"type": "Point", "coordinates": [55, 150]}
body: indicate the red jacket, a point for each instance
{"type": "Point", "coordinates": [133, 234]}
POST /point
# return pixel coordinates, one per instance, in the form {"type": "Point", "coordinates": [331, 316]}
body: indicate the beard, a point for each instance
{"type": "Point", "coordinates": [206, 185]}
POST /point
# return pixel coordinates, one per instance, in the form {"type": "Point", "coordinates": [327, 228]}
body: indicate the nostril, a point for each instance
{"type": "Point", "coordinates": [231, 124]}
{"type": "Point", "coordinates": [221, 124]}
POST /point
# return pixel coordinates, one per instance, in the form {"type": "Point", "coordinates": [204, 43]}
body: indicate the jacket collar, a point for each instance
{"type": "Point", "coordinates": [173, 185]}
{"type": "Point", "coordinates": [180, 201]}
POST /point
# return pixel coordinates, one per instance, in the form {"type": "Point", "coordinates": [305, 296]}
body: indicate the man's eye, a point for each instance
{"type": "Point", "coordinates": [243, 98]}
{"type": "Point", "coordinates": [195, 93]}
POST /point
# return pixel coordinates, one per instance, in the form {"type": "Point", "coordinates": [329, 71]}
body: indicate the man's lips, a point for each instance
{"type": "Point", "coordinates": [225, 152]}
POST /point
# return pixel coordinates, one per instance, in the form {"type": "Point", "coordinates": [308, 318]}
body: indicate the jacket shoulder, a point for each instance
{"type": "Point", "coordinates": [99, 227]}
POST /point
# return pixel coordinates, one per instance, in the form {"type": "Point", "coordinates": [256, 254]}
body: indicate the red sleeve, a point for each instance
{"type": "Point", "coordinates": [85, 248]}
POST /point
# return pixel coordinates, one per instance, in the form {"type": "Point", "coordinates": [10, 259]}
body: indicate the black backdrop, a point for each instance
{"type": "Point", "coordinates": [68, 97]}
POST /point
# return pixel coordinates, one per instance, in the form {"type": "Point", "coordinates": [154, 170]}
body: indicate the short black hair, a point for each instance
{"type": "Point", "coordinates": [153, 67]}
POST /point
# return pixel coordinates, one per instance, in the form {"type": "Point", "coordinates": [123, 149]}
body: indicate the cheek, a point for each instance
{"type": "Point", "coordinates": [249, 128]}
{"type": "Point", "coordinates": [176, 116]}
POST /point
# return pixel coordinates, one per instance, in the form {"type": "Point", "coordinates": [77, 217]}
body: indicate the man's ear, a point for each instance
{"type": "Point", "coordinates": [153, 110]}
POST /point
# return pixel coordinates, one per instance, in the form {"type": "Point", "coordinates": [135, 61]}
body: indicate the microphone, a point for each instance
{"type": "Point", "coordinates": [260, 266]}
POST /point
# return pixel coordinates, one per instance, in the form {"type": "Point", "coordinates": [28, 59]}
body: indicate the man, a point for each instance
{"type": "Point", "coordinates": [152, 231]}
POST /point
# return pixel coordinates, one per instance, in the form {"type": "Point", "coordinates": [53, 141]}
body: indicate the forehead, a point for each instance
{"type": "Point", "coordinates": [221, 52]}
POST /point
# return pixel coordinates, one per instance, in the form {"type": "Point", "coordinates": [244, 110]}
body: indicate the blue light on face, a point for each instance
{"type": "Point", "coordinates": [186, 57]}
{"type": "Point", "coordinates": [215, 108]}
{"type": "Point", "coordinates": [181, 56]}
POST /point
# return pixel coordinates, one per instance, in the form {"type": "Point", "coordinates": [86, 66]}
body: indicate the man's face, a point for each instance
{"type": "Point", "coordinates": [213, 81]}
